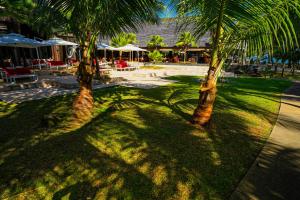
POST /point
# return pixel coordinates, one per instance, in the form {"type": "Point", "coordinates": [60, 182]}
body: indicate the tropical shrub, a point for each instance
{"type": "Point", "coordinates": [155, 56]}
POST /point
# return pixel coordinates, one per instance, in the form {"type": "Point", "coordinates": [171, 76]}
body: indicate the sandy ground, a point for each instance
{"type": "Point", "coordinates": [142, 78]}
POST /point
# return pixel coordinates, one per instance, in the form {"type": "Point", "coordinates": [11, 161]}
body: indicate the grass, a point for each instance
{"type": "Point", "coordinates": [295, 77]}
{"type": "Point", "coordinates": [139, 144]}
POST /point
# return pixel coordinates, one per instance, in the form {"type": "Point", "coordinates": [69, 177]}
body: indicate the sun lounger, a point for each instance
{"type": "Point", "coordinates": [57, 64]}
{"type": "Point", "coordinates": [10, 74]}
{"type": "Point", "coordinates": [123, 66]}
{"type": "Point", "coordinates": [39, 63]}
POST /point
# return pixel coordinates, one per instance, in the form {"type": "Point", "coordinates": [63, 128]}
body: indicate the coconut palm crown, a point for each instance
{"type": "Point", "coordinates": [185, 41]}
{"type": "Point", "coordinates": [123, 39]}
{"type": "Point", "coordinates": [86, 20]}
{"type": "Point", "coordinates": [156, 41]}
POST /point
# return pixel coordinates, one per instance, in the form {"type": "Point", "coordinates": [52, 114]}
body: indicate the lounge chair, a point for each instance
{"type": "Point", "coordinates": [39, 63]}
{"type": "Point", "coordinates": [10, 74]}
{"type": "Point", "coordinates": [57, 64]}
{"type": "Point", "coordinates": [123, 66]}
{"type": "Point", "coordinates": [71, 61]}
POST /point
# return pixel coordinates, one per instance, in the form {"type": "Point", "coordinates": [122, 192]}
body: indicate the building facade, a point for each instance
{"type": "Point", "coordinates": [168, 29]}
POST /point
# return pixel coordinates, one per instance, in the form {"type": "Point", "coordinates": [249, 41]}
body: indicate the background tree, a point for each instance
{"type": "Point", "coordinates": [41, 20]}
{"type": "Point", "coordinates": [155, 56]}
{"type": "Point", "coordinates": [185, 41]}
{"type": "Point", "coordinates": [17, 11]}
{"type": "Point", "coordinates": [88, 19]}
{"type": "Point", "coordinates": [253, 25]}
{"type": "Point", "coordinates": [123, 39]}
{"type": "Point", "coordinates": [156, 41]}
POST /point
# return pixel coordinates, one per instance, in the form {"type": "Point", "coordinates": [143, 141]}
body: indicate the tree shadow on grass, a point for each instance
{"type": "Point", "coordinates": [143, 150]}
{"type": "Point", "coordinates": [25, 119]}
{"type": "Point", "coordinates": [145, 154]}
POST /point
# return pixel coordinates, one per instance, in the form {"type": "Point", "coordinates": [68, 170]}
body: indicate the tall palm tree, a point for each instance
{"type": "Point", "coordinates": [250, 25]}
{"type": "Point", "coordinates": [86, 20]}
{"type": "Point", "coordinates": [123, 39]}
{"type": "Point", "coordinates": [156, 41]}
{"type": "Point", "coordinates": [185, 41]}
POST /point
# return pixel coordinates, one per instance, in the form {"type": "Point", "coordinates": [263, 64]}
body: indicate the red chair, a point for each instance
{"type": "Point", "coordinates": [10, 75]}
{"type": "Point", "coordinates": [38, 63]}
{"type": "Point", "coordinates": [56, 64]}
{"type": "Point", "coordinates": [121, 65]}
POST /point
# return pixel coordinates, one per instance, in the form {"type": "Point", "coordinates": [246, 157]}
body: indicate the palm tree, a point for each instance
{"type": "Point", "coordinates": [123, 39]}
{"type": "Point", "coordinates": [250, 25]}
{"type": "Point", "coordinates": [156, 41]}
{"type": "Point", "coordinates": [86, 20]}
{"type": "Point", "coordinates": [185, 41]}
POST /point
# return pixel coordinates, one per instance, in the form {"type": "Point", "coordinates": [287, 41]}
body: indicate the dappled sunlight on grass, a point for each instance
{"type": "Point", "coordinates": [139, 143]}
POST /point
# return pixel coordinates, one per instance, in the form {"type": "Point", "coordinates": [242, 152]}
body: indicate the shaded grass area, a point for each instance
{"type": "Point", "coordinates": [295, 77]}
{"type": "Point", "coordinates": [139, 144]}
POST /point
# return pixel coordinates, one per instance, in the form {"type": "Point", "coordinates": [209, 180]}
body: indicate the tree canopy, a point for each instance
{"type": "Point", "coordinates": [123, 39]}
{"type": "Point", "coordinates": [156, 41]}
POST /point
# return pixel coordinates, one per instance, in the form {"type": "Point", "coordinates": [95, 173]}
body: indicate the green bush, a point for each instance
{"type": "Point", "coordinates": [155, 56]}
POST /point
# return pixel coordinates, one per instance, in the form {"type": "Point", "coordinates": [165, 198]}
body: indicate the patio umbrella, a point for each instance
{"type": "Point", "coordinates": [55, 41]}
{"type": "Point", "coordinates": [58, 42]}
{"type": "Point", "coordinates": [130, 48]}
{"type": "Point", "coordinates": [103, 46]}
{"type": "Point", "coordinates": [18, 40]}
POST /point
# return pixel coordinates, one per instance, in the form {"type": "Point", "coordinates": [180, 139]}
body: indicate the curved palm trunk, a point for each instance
{"type": "Point", "coordinates": [84, 102]}
{"type": "Point", "coordinates": [120, 55]}
{"type": "Point", "coordinates": [282, 70]}
{"type": "Point", "coordinates": [208, 90]}
{"type": "Point", "coordinates": [293, 69]}
{"type": "Point", "coordinates": [208, 93]}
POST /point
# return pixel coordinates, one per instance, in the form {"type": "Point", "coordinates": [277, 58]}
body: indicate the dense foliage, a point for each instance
{"type": "Point", "coordinates": [155, 56]}
{"type": "Point", "coordinates": [156, 41]}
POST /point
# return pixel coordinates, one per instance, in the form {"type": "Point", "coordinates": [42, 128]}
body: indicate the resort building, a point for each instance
{"type": "Point", "coordinates": [167, 28]}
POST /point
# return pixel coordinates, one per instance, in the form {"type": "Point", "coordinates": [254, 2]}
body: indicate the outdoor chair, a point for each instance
{"type": "Point", "coordinates": [123, 66]}
{"type": "Point", "coordinates": [38, 63]}
{"type": "Point", "coordinates": [57, 64]}
{"type": "Point", "coordinates": [10, 75]}
{"type": "Point", "coordinates": [104, 69]}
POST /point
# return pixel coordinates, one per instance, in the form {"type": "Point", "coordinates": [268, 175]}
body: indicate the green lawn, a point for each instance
{"type": "Point", "coordinates": [139, 145]}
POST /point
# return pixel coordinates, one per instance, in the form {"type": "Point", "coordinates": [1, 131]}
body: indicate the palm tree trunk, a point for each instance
{"type": "Point", "coordinates": [276, 69]}
{"type": "Point", "coordinates": [293, 69]}
{"type": "Point", "coordinates": [208, 90]}
{"type": "Point", "coordinates": [120, 55]}
{"type": "Point", "coordinates": [84, 102]}
{"type": "Point", "coordinates": [282, 71]}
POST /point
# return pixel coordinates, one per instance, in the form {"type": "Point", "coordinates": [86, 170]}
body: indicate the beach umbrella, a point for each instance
{"type": "Point", "coordinates": [55, 41]}
{"type": "Point", "coordinates": [130, 48]}
{"type": "Point", "coordinates": [17, 40]}
{"type": "Point", "coordinates": [58, 42]}
{"type": "Point", "coordinates": [103, 46]}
